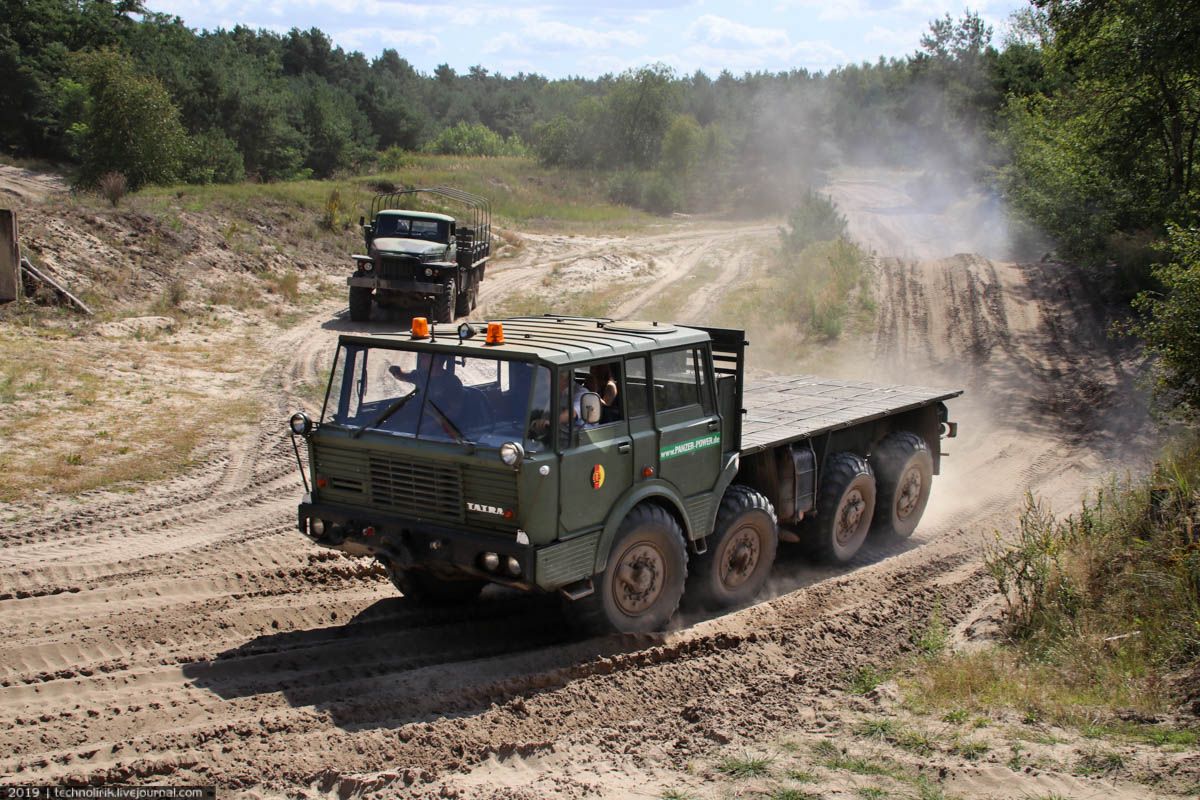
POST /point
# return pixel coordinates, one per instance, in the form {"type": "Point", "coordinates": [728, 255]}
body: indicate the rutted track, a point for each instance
{"type": "Point", "coordinates": [185, 633]}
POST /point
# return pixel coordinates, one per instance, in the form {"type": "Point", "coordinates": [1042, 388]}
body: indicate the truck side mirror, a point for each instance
{"type": "Point", "coordinates": [589, 407]}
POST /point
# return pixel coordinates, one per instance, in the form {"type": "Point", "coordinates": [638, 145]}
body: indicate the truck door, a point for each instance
{"type": "Point", "coordinates": [689, 430]}
{"type": "Point", "coordinates": [641, 421]}
{"type": "Point", "coordinates": [597, 460]}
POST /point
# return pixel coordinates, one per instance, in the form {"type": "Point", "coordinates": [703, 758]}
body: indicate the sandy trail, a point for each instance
{"type": "Point", "coordinates": [186, 633]}
{"type": "Point", "coordinates": [25, 185]}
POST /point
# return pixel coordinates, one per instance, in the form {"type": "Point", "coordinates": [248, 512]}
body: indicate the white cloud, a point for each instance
{"type": "Point", "coordinates": [892, 38]}
{"type": "Point", "coordinates": [715, 31]}
{"type": "Point", "coordinates": [359, 38]}
{"type": "Point", "coordinates": [550, 35]}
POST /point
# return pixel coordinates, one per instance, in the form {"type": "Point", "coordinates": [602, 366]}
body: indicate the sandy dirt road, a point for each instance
{"type": "Point", "coordinates": [185, 633]}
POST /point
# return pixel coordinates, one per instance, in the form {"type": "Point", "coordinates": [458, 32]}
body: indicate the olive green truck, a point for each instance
{"type": "Point", "coordinates": [422, 259]}
{"type": "Point", "coordinates": [625, 465]}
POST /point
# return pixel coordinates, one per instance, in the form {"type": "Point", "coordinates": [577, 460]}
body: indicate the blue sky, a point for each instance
{"type": "Point", "coordinates": [557, 38]}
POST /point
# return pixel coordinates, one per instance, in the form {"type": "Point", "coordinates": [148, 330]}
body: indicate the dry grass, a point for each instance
{"type": "Point", "coordinates": [83, 414]}
{"type": "Point", "coordinates": [520, 190]}
{"type": "Point", "coordinates": [1103, 611]}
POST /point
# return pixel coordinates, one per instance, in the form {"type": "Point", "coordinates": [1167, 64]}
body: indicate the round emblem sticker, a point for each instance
{"type": "Point", "coordinates": [597, 476]}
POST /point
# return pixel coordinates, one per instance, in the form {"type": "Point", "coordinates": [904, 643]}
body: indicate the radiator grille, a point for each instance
{"type": "Point", "coordinates": [423, 490]}
{"type": "Point", "coordinates": [397, 268]}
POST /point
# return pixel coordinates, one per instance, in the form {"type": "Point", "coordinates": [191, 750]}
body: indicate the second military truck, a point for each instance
{"type": "Point", "coordinates": [621, 464]}
{"type": "Point", "coordinates": [434, 262]}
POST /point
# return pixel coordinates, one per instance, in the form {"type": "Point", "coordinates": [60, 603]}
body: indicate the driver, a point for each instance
{"type": "Point", "coordinates": [445, 397]}
{"type": "Point", "coordinates": [570, 408]}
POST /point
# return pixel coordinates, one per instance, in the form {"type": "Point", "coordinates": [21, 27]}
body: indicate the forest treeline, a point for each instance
{"type": "Point", "coordinates": [81, 77]}
{"type": "Point", "coordinates": [1085, 115]}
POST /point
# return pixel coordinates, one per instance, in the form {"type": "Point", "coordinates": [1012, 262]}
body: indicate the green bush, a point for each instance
{"type": "Point", "coordinates": [660, 195]}
{"type": "Point", "coordinates": [214, 158]}
{"type": "Point", "coordinates": [1172, 324]}
{"type": "Point", "coordinates": [129, 123]}
{"type": "Point", "coordinates": [466, 139]}
{"type": "Point", "coordinates": [815, 219]}
{"type": "Point", "coordinates": [1126, 565]}
{"type": "Point", "coordinates": [394, 159]}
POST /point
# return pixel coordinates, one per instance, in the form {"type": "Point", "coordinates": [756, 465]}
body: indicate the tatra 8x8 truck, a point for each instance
{"type": "Point", "coordinates": [622, 464]}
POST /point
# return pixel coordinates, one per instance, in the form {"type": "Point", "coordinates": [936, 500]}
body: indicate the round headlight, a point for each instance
{"type": "Point", "coordinates": [317, 526]}
{"type": "Point", "coordinates": [428, 272]}
{"type": "Point", "coordinates": [300, 423]}
{"type": "Point", "coordinates": [490, 561]}
{"type": "Point", "coordinates": [511, 453]}
{"type": "Point", "coordinates": [368, 266]}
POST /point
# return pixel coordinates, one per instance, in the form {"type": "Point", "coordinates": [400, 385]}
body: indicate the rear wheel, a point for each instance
{"type": "Point", "coordinates": [844, 508]}
{"type": "Point", "coordinates": [904, 470]}
{"type": "Point", "coordinates": [738, 561]}
{"type": "Point", "coordinates": [425, 588]}
{"type": "Point", "coordinates": [360, 303]}
{"type": "Point", "coordinates": [640, 587]}
{"type": "Point", "coordinates": [443, 305]}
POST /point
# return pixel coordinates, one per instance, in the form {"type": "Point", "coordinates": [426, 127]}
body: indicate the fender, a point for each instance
{"type": "Point", "coordinates": [729, 471]}
{"type": "Point", "coordinates": [643, 491]}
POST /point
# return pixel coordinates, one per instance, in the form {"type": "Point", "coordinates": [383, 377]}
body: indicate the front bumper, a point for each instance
{"type": "Point", "coordinates": [408, 285]}
{"type": "Point", "coordinates": [409, 543]}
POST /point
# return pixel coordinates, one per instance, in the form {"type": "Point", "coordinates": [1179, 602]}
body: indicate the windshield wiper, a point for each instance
{"type": "Point", "coordinates": [449, 425]}
{"type": "Point", "coordinates": [395, 406]}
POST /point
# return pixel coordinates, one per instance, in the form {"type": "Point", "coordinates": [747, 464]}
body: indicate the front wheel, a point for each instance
{"type": "Point", "coordinates": [904, 469]}
{"type": "Point", "coordinates": [738, 561]}
{"type": "Point", "coordinates": [443, 306]}
{"type": "Point", "coordinates": [844, 508]}
{"type": "Point", "coordinates": [641, 586]}
{"type": "Point", "coordinates": [360, 303]}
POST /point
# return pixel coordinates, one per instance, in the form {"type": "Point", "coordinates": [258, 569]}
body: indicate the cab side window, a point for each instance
{"type": "Point", "coordinates": [637, 387]}
{"type": "Point", "coordinates": [681, 380]}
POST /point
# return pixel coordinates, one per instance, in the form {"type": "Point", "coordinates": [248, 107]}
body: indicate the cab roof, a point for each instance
{"type": "Point", "coordinates": [395, 212]}
{"type": "Point", "coordinates": [550, 339]}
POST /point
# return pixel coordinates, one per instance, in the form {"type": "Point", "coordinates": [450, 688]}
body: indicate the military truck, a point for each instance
{"type": "Point", "coordinates": [620, 464]}
{"type": "Point", "coordinates": [422, 259]}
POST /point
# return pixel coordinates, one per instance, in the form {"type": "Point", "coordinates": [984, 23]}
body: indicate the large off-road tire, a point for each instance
{"type": "Point", "coordinates": [641, 586]}
{"type": "Point", "coordinates": [462, 303]}
{"type": "Point", "coordinates": [903, 470]}
{"type": "Point", "coordinates": [443, 305]}
{"type": "Point", "coordinates": [360, 303]}
{"type": "Point", "coordinates": [845, 506]}
{"type": "Point", "coordinates": [427, 589]}
{"type": "Point", "coordinates": [740, 552]}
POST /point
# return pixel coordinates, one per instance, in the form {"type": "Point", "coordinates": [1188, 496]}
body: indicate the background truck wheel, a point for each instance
{"type": "Point", "coordinates": [844, 508]}
{"type": "Point", "coordinates": [640, 588]}
{"type": "Point", "coordinates": [904, 471]}
{"type": "Point", "coordinates": [443, 306]}
{"type": "Point", "coordinates": [360, 303]}
{"type": "Point", "coordinates": [462, 303]}
{"type": "Point", "coordinates": [426, 589]}
{"type": "Point", "coordinates": [740, 554]}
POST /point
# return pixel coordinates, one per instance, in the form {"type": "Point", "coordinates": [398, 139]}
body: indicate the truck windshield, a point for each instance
{"type": "Point", "coordinates": [402, 227]}
{"type": "Point", "coordinates": [439, 397]}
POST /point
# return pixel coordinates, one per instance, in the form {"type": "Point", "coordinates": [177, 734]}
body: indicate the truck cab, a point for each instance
{"type": "Point", "coordinates": [592, 457]}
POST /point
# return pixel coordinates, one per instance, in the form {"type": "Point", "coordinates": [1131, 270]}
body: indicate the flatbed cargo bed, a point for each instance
{"type": "Point", "coordinates": [787, 408]}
